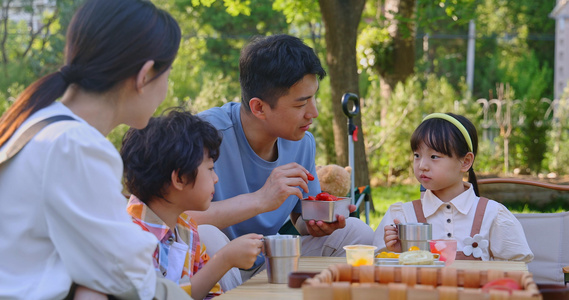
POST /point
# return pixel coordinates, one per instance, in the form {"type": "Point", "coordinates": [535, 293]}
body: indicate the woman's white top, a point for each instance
{"type": "Point", "coordinates": [63, 217]}
{"type": "Point", "coordinates": [504, 233]}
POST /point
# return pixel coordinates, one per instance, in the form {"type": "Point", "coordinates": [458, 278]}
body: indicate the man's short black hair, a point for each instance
{"type": "Point", "coordinates": [270, 65]}
{"type": "Point", "coordinates": [174, 141]}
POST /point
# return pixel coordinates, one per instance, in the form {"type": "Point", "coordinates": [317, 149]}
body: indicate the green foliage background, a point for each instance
{"type": "Point", "coordinates": [514, 46]}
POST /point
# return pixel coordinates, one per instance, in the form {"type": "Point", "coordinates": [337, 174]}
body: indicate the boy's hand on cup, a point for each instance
{"type": "Point", "coordinates": [391, 237]}
{"type": "Point", "coordinates": [283, 182]}
{"type": "Point", "coordinates": [242, 252]}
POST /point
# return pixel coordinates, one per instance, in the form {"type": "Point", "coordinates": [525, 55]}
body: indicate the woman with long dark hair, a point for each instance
{"type": "Point", "coordinates": [63, 220]}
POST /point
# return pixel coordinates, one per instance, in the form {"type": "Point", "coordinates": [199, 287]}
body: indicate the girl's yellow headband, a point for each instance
{"type": "Point", "coordinates": [456, 123]}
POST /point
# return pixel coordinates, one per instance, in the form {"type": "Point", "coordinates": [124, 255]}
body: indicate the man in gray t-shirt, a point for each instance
{"type": "Point", "coordinates": [267, 153]}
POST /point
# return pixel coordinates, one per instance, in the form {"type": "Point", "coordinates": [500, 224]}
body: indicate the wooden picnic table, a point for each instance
{"type": "Point", "coordinates": [259, 287]}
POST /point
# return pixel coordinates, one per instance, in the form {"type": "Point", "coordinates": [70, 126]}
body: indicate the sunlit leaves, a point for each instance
{"type": "Point", "coordinates": [237, 7]}
{"type": "Point", "coordinates": [298, 11]}
{"type": "Point", "coordinates": [233, 7]}
{"type": "Point", "coordinates": [374, 50]}
{"type": "Point", "coordinates": [206, 3]}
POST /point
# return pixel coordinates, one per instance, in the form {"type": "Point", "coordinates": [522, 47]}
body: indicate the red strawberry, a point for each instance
{"type": "Point", "coordinates": [323, 196]}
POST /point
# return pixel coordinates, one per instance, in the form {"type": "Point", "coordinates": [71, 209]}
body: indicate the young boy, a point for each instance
{"type": "Point", "coordinates": [169, 169]}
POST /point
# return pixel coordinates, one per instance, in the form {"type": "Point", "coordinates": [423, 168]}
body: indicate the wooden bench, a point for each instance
{"type": "Point", "coordinates": [519, 192]}
{"type": "Point", "coordinates": [557, 187]}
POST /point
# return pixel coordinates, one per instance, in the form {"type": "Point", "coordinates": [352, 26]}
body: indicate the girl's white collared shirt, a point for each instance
{"type": "Point", "coordinates": [454, 219]}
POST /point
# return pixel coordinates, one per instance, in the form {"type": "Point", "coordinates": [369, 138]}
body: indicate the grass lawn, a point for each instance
{"type": "Point", "coordinates": [383, 197]}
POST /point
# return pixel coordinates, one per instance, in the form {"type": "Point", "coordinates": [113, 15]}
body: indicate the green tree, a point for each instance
{"type": "Point", "coordinates": [341, 21]}
{"type": "Point", "coordinates": [530, 81]}
{"type": "Point", "coordinates": [214, 33]}
{"type": "Point", "coordinates": [28, 52]}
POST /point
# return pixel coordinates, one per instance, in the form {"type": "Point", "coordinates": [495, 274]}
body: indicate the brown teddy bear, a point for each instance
{"type": "Point", "coordinates": [334, 179]}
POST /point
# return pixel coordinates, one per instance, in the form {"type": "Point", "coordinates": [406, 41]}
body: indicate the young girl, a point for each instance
{"type": "Point", "coordinates": [63, 220]}
{"type": "Point", "coordinates": [169, 170]}
{"type": "Point", "coordinates": [444, 147]}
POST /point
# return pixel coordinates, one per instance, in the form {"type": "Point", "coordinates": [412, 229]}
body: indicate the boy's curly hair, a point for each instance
{"type": "Point", "coordinates": [174, 141]}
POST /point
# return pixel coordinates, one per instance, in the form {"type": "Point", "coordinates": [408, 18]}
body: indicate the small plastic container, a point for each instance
{"type": "Point", "coordinates": [325, 211]}
{"type": "Point", "coordinates": [360, 255]}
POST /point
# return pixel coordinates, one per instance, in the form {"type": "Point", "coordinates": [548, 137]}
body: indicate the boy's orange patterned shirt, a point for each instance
{"type": "Point", "coordinates": [196, 257]}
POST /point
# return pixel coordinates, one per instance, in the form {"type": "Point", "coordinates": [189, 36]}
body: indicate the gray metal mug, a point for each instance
{"type": "Point", "coordinates": [281, 256]}
{"type": "Point", "coordinates": [414, 234]}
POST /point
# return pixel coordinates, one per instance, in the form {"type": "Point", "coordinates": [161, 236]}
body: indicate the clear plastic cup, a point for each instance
{"type": "Point", "coordinates": [446, 248]}
{"type": "Point", "coordinates": [360, 255]}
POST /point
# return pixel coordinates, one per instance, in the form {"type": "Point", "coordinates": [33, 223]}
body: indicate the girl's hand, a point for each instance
{"type": "Point", "coordinates": [242, 252]}
{"type": "Point", "coordinates": [391, 237]}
